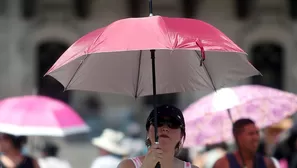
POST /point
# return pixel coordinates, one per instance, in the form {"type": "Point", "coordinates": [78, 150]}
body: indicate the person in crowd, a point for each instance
{"type": "Point", "coordinates": [50, 158]}
{"type": "Point", "coordinates": [286, 150]}
{"type": "Point", "coordinates": [272, 134]}
{"type": "Point", "coordinates": [171, 134]}
{"type": "Point", "coordinates": [247, 138]}
{"type": "Point", "coordinates": [212, 153]}
{"type": "Point", "coordinates": [12, 156]}
{"type": "Point", "coordinates": [111, 149]}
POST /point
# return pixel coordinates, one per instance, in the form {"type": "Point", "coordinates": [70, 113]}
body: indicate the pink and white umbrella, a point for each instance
{"type": "Point", "coordinates": [208, 121]}
{"type": "Point", "coordinates": [39, 116]}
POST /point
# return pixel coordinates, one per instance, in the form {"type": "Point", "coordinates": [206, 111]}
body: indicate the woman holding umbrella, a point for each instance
{"type": "Point", "coordinates": [171, 133]}
{"type": "Point", "coordinates": [11, 146]}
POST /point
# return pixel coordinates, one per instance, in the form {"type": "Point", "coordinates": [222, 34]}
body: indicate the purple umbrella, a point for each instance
{"type": "Point", "coordinates": [208, 120]}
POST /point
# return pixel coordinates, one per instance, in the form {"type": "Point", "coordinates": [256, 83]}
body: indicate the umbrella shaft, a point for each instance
{"type": "Point", "coordinates": [229, 115]}
{"type": "Point", "coordinates": [151, 7]}
{"type": "Point", "coordinates": [155, 97]}
{"type": "Point", "coordinates": [153, 73]}
{"type": "Point", "coordinates": [154, 94]}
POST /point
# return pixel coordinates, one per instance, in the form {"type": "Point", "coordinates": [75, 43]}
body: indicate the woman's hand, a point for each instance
{"type": "Point", "coordinates": [153, 156]}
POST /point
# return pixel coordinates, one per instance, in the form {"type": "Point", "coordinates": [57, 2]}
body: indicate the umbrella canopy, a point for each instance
{"type": "Point", "coordinates": [189, 55]}
{"type": "Point", "coordinates": [208, 121]}
{"type": "Point", "coordinates": [39, 116]}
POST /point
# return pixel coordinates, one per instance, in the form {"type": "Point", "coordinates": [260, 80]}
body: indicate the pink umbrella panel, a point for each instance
{"type": "Point", "coordinates": [208, 122]}
{"type": "Point", "coordinates": [39, 116]}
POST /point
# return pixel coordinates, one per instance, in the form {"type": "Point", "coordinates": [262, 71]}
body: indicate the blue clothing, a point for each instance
{"type": "Point", "coordinates": [233, 163]}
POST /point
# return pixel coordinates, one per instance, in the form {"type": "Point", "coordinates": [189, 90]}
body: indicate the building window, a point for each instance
{"type": "Point", "coordinates": [3, 7]}
{"type": "Point", "coordinates": [134, 8]}
{"type": "Point", "coordinates": [47, 54]}
{"type": "Point", "coordinates": [268, 59]}
{"type": "Point", "coordinates": [82, 8]}
{"type": "Point", "coordinates": [189, 8]}
{"type": "Point", "coordinates": [28, 8]}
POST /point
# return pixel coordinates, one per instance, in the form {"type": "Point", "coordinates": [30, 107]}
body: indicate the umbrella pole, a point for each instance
{"type": "Point", "coordinates": [236, 141]}
{"type": "Point", "coordinates": [151, 7]}
{"type": "Point", "coordinates": [154, 95]}
{"type": "Point", "coordinates": [155, 100]}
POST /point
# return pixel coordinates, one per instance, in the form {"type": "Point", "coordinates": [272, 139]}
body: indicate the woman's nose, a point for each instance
{"type": "Point", "coordinates": [165, 128]}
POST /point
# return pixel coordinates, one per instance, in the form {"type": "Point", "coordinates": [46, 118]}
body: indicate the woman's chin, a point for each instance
{"type": "Point", "coordinates": [165, 142]}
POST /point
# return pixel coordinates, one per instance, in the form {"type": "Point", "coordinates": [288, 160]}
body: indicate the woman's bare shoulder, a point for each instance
{"type": "Point", "coordinates": [193, 166]}
{"type": "Point", "coordinates": [127, 163]}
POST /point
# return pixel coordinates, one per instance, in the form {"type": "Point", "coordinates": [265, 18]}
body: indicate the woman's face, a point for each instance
{"type": "Point", "coordinates": [169, 133]}
{"type": "Point", "coordinates": [5, 143]}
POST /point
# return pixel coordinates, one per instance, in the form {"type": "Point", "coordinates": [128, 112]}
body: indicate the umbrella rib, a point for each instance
{"type": "Point", "coordinates": [138, 75]}
{"type": "Point", "coordinates": [205, 68]}
{"type": "Point", "coordinates": [79, 66]}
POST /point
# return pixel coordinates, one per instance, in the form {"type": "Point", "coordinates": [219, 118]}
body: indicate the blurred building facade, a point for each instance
{"type": "Point", "coordinates": [34, 33]}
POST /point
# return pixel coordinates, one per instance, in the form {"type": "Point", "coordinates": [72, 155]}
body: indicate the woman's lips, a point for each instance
{"type": "Point", "coordinates": [164, 136]}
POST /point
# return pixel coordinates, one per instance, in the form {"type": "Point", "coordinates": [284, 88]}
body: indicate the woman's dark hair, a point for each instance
{"type": "Point", "coordinates": [184, 155]}
{"type": "Point", "coordinates": [17, 141]}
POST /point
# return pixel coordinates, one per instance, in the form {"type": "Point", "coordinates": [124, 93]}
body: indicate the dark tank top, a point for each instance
{"type": "Point", "coordinates": [233, 163]}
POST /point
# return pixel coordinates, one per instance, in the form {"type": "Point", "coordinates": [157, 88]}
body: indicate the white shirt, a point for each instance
{"type": "Point", "coordinates": [53, 162]}
{"type": "Point", "coordinates": [106, 162]}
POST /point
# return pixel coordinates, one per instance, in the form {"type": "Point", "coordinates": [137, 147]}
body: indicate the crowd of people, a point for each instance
{"type": "Point", "coordinates": [118, 151]}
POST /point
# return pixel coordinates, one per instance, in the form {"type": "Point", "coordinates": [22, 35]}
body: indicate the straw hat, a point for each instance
{"type": "Point", "coordinates": [111, 141]}
{"type": "Point", "coordinates": [283, 124]}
